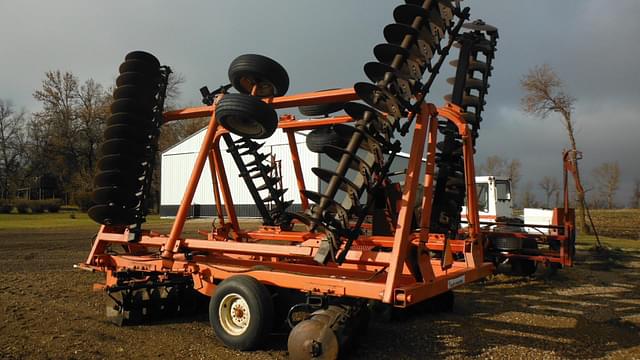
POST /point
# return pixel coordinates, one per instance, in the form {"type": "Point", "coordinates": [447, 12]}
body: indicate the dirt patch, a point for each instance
{"type": "Point", "coordinates": [47, 310]}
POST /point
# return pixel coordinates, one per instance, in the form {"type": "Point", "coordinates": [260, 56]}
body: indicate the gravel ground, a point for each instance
{"type": "Point", "coordinates": [48, 311]}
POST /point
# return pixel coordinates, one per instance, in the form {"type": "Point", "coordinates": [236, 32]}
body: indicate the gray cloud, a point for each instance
{"type": "Point", "coordinates": [591, 44]}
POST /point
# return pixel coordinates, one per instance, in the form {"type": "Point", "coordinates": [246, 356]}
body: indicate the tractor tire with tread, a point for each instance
{"type": "Point", "coordinates": [251, 69]}
{"type": "Point", "coordinates": [321, 109]}
{"type": "Point", "coordinates": [241, 312]}
{"type": "Point", "coordinates": [318, 138]}
{"type": "Point", "coordinates": [246, 116]}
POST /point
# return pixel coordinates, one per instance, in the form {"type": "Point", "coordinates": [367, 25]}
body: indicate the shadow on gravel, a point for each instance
{"type": "Point", "coordinates": [577, 313]}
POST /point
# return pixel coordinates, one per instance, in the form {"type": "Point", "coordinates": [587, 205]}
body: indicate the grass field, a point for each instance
{"type": "Point", "coordinates": [59, 220]}
{"type": "Point", "coordinates": [617, 228]}
{"type": "Point", "coordinates": [588, 241]}
{"type": "Point", "coordinates": [618, 223]}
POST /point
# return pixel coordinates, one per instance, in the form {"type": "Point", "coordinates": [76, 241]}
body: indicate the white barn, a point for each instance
{"type": "Point", "coordinates": [177, 165]}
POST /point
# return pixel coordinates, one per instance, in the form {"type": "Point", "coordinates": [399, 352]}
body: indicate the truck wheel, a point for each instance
{"type": "Point", "coordinates": [507, 243]}
{"type": "Point", "coordinates": [241, 312]}
{"type": "Point", "coordinates": [321, 109]}
{"type": "Point", "coordinates": [247, 71]}
{"type": "Point", "coordinates": [523, 267]}
{"type": "Point", "coordinates": [318, 138]}
{"type": "Point", "coordinates": [246, 116]}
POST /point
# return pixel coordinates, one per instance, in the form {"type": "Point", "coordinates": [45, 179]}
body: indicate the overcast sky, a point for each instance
{"type": "Point", "coordinates": [592, 45]}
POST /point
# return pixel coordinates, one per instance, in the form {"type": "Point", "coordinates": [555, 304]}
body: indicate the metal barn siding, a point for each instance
{"type": "Point", "coordinates": [177, 165]}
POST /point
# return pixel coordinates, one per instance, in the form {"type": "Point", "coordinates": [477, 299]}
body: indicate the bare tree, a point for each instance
{"type": "Point", "coordinates": [58, 151]}
{"type": "Point", "coordinates": [635, 195]}
{"type": "Point", "coordinates": [493, 165]}
{"type": "Point", "coordinates": [545, 95]}
{"type": "Point", "coordinates": [11, 148]}
{"type": "Point", "coordinates": [65, 134]}
{"type": "Point", "coordinates": [173, 90]}
{"type": "Point", "coordinates": [92, 113]}
{"type": "Point", "coordinates": [528, 197]}
{"type": "Point", "coordinates": [607, 177]}
{"type": "Point", "coordinates": [550, 186]}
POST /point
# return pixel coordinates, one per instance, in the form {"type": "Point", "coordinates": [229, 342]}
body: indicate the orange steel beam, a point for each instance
{"type": "Point", "coordinates": [416, 292]}
{"type": "Point", "coordinates": [189, 113]}
{"type": "Point", "coordinates": [311, 98]}
{"type": "Point", "coordinates": [216, 189]}
{"type": "Point", "coordinates": [297, 167]}
{"type": "Point", "coordinates": [97, 247]}
{"type": "Point", "coordinates": [424, 258]}
{"type": "Point", "coordinates": [401, 239]}
{"type": "Point", "coordinates": [291, 236]}
{"type": "Point", "coordinates": [452, 113]}
{"type": "Point", "coordinates": [222, 177]}
{"type": "Point", "coordinates": [302, 124]}
{"type": "Point", "coordinates": [352, 283]}
{"type": "Point", "coordinates": [428, 179]}
{"type": "Point", "coordinates": [183, 210]}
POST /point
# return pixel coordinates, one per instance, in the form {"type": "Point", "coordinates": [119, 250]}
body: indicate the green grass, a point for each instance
{"type": "Point", "coordinates": [587, 241]}
{"type": "Point", "coordinates": [61, 220]}
{"type": "Point", "coordinates": [65, 220]}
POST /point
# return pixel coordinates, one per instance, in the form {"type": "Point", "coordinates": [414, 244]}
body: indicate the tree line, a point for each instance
{"type": "Point", "coordinates": [53, 152]}
{"type": "Point", "coordinates": [602, 186]}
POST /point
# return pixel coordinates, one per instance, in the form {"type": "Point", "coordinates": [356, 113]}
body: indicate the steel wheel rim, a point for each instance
{"type": "Point", "coordinates": [234, 314]}
{"type": "Point", "coordinates": [243, 125]}
{"type": "Point", "coordinates": [263, 88]}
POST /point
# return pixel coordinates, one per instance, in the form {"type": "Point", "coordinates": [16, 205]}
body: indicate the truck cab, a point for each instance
{"type": "Point", "coordinates": [494, 198]}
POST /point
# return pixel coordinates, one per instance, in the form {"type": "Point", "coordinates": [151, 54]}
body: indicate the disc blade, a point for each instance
{"type": "Point", "coordinates": [132, 183]}
{"type": "Point", "coordinates": [412, 66]}
{"type": "Point", "coordinates": [479, 25]}
{"type": "Point", "coordinates": [346, 185]}
{"type": "Point", "coordinates": [379, 99]}
{"type": "Point", "coordinates": [335, 153]}
{"type": "Point", "coordinates": [115, 195]}
{"type": "Point", "coordinates": [114, 215]}
{"type": "Point", "coordinates": [123, 163]}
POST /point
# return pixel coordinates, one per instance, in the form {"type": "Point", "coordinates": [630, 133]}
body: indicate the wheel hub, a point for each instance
{"type": "Point", "coordinates": [234, 314]}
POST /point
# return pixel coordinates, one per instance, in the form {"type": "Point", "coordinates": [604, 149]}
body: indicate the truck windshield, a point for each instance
{"type": "Point", "coordinates": [482, 191]}
{"type": "Point", "coordinates": [503, 190]}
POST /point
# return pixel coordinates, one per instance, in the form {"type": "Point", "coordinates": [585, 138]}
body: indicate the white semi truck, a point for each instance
{"type": "Point", "coordinates": [540, 236]}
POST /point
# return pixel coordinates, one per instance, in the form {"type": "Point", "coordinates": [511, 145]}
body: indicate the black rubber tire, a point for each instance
{"type": "Point", "coordinates": [257, 69]}
{"type": "Point", "coordinates": [321, 109]}
{"type": "Point", "coordinates": [523, 267]}
{"type": "Point", "coordinates": [318, 138]}
{"type": "Point", "coordinates": [246, 116]}
{"type": "Point", "coordinates": [260, 306]}
{"type": "Point", "coordinates": [507, 243]}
